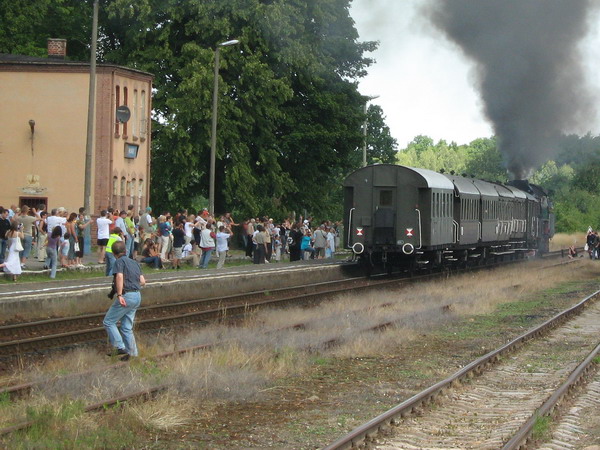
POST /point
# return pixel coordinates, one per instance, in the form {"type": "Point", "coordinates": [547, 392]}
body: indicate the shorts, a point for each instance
{"type": "Point", "coordinates": [102, 242]}
{"type": "Point", "coordinates": [177, 252]}
{"type": "Point", "coordinates": [320, 251]}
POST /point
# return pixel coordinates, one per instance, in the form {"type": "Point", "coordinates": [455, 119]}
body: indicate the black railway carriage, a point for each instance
{"type": "Point", "coordinates": [396, 215]}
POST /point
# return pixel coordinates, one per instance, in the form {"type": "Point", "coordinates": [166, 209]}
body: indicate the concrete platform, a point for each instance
{"type": "Point", "coordinates": [75, 297]}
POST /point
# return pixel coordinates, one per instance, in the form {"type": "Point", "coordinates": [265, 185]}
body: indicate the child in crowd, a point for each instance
{"type": "Point", "coordinates": [277, 247]}
{"type": "Point", "coordinates": [64, 249]}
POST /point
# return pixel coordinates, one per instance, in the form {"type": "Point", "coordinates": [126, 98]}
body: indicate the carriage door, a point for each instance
{"type": "Point", "coordinates": [384, 226]}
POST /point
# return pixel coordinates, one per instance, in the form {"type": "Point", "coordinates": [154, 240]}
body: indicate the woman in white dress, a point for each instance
{"type": "Point", "coordinates": [12, 265]}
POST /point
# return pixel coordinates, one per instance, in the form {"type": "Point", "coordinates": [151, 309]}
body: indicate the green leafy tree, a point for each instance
{"type": "Point", "coordinates": [381, 146]}
{"type": "Point", "coordinates": [290, 114]}
{"type": "Point", "coordinates": [289, 111]}
{"type": "Point", "coordinates": [25, 26]}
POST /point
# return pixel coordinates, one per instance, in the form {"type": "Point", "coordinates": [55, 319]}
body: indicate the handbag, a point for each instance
{"type": "Point", "coordinates": [76, 247]}
{"type": "Point", "coordinates": [19, 245]}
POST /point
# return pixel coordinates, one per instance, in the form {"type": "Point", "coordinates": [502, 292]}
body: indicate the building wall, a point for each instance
{"type": "Point", "coordinates": [57, 99]}
{"type": "Point", "coordinates": [55, 168]}
{"type": "Point", "coordinates": [127, 176]}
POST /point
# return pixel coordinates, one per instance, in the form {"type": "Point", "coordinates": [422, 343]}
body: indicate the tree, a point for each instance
{"type": "Point", "coordinates": [290, 114]}
{"type": "Point", "coordinates": [381, 146]}
{"type": "Point", "coordinates": [485, 161]}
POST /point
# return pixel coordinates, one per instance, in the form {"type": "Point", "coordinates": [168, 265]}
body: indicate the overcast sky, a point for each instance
{"type": "Point", "coordinates": [424, 81]}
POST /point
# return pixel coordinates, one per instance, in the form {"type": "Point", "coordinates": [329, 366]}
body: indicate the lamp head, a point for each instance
{"type": "Point", "coordinates": [228, 43]}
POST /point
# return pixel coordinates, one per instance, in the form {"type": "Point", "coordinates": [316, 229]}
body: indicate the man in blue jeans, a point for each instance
{"type": "Point", "coordinates": [127, 284]}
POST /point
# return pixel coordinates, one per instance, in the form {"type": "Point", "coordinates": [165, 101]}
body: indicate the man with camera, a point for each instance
{"type": "Point", "coordinates": [128, 280]}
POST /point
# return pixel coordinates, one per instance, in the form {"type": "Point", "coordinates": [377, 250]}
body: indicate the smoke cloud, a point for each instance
{"type": "Point", "coordinates": [529, 70]}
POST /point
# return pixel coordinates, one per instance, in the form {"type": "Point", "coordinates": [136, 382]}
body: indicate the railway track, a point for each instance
{"type": "Point", "coordinates": [35, 336]}
{"type": "Point", "coordinates": [29, 337]}
{"type": "Point", "coordinates": [495, 401]}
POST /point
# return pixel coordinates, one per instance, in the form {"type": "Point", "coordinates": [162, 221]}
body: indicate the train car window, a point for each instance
{"type": "Point", "coordinates": [443, 204]}
{"type": "Point", "coordinates": [385, 198]}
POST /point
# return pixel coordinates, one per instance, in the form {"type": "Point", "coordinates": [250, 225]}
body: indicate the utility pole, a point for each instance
{"type": "Point", "coordinates": [89, 147]}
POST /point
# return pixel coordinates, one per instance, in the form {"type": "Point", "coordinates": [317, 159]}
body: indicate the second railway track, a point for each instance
{"type": "Point", "coordinates": [499, 407]}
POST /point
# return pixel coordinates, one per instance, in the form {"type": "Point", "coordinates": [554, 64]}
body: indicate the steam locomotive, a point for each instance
{"type": "Point", "coordinates": [408, 217]}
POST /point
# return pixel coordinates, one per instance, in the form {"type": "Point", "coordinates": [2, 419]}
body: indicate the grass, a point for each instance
{"type": "Point", "coordinates": [541, 428]}
{"type": "Point", "coordinates": [564, 240]}
{"type": "Point", "coordinates": [66, 426]}
{"type": "Point", "coordinates": [99, 273]}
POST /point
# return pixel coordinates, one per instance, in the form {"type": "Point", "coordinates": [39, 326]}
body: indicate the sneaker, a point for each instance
{"type": "Point", "coordinates": [23, 266]}
{"type": "Point", "coordinates": [125, 358]}
{"type": "Point", "coordinates": [117, 352]}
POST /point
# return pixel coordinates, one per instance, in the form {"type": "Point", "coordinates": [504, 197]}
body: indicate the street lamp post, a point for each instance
{"type": "Point", "coordinates": [213, 136]}
{"type": "Point", "coordinates": [367, 100]}
{"type": "Point", "coordinates": [89, 146]}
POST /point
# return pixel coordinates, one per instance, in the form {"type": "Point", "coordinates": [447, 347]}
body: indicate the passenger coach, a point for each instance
{"type": "Point", "coordinates": [396, 215]}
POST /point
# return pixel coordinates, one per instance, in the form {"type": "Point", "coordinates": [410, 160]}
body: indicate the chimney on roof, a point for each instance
{"type": "Point", "coordinates": [57, 48]}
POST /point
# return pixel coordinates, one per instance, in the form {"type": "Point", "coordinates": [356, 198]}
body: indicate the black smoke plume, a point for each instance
{"type": "Point", "coordinates": [529, 69]}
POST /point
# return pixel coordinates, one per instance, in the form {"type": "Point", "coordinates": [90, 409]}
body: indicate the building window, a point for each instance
{"type": "Point", "coordinates": [117, 103]}
{"type": "Point", "coordinates": [125, 103]}
{"type": "Point", "coordinates": [134, 123]}
{"type": "Point", "coordinates": [132, 194]}
{"type": "Point", "coordinates": [115, 186]}
{"type": "Point", "coordinates": [141, 193]}
{"type": "Point", "coordinates": [143, 121]}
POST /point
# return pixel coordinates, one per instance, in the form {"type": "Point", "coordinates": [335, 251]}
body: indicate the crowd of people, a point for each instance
{"type": "Point", "coordinates": [185, 236]}
{"type": "Point", "coordinates": [56, 237]}
{"type": "Point", "coordinates": [592, 244]}
{"type": "Point", "coordinates": [53, 238]}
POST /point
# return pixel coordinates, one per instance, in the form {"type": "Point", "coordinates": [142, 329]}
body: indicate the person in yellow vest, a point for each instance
{"type": "Point", "coordinates": [116, 235]}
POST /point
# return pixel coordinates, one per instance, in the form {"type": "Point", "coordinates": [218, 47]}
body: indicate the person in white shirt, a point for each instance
{"type": "Point", "coordinates": [62, 219]}
{"type": "Point", "coordinates": [188, 229]}
{"type": "Point", "coordinates": [52, 221]}
{"type": "Point", "coordinates": [103, 234]}
{"type": "Point", "coordinates": [222, 244]}
{"type": "Point", "coordinates": [330, 249]}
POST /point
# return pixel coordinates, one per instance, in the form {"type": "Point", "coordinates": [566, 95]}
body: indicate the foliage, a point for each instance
{"type": "Point", "coordinates": [27, 24]}
{"type": "Point", "coordinates": [479, 159]}
{"type": "Point", "coordinates": [289, 112]}
{"type": "Point", "coordinates": [381, 146]}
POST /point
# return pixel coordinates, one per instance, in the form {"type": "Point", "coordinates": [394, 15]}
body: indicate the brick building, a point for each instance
{"type": "Point", "coordinates": [43, 132]}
